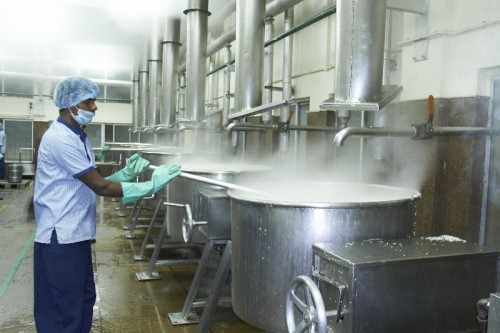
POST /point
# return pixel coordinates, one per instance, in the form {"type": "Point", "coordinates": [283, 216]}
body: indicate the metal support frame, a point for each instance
{"type": "Point", "coordinates": [150, 274]}
{"type": "Point", "coordinates": [147, 237]}
{"type": "Point", "coordinates": [131, 216]}
{"type": "Point", "coordinates": [132, 227]}
{"type": "Point", "coordinates": [186, 316]}
{"type": "Point", "coordinates": [214, 296]}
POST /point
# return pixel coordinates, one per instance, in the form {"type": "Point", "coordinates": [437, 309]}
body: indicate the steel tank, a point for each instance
{"type": "Point", "coordinates": [192, 192]}
{"type": "Point", "coordinates": [15, 173]}
{"type": "Point", "coordinates": [272, 237]}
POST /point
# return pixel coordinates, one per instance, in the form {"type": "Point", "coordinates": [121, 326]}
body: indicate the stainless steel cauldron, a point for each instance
{"type": "Point", "coordinates": [272, 238]}
{"type": "Point", "coordinates": [194, 193]}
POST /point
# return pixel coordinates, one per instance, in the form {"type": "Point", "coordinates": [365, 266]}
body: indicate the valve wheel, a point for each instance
{"type": "Point", "coordinates": [187, 225]}
{"type": "Point", "coordinates": [310, 307]}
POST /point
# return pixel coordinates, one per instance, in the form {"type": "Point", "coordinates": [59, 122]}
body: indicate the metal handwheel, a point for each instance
{"type": "Point", "coordinates": [311, 308]}
{"type": "Point", "coordinates": [188, 224]}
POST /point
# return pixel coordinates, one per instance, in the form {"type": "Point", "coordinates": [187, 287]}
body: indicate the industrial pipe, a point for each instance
{"type": "Point", "coordinates": [287, 79]}
{"type": "Point", "coordinates": [135, 101]}
{"type": "Point", "coordinates": [267, 97]}
{"type": "Point", "coordinates": [154, 63]}
{"type": "Point", "coordinates": [226, 104]}
{"type": "Point", "coordinates": [196, 48]}
{"type": "Point", "coordinates": [279, 127]}
{"type": "Point", "coordinates": [171, 47]}
{"type": "Point", "coordinates": [285, 34]}
{"type": "Point", "coordinates": [412, 132]}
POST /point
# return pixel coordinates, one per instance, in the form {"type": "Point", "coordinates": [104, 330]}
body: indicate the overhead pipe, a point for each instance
{"type": "Point", "coordinates": [181, 95]}
{"type": "Point", "coordinates": [143, 89]}
{"type": "Point", "coordinates": [272, 9]}
{"type": "Point", "coordinates": [227, 86]}
{"type": "Point", "coordinates": [135, 101]}
{"type": "Point", "coordinates": [418, 132]}
{"type": "Point", "coordinates": [154, 67]}
{"type": "Point", "coordinates": [267, 117]}
{"type": "Point", "coordinates": [196, 47]}
{"type": "Point", "coordinates": [413, 132]}
{"type": "Point", "coordinates": [170, 61]}
{"type": "Point", "coordinates": [211, 101]}
{"type": "Point", "coordinates": [359, 59]}
{"type": "Point", "coordinates": [250, 17]}
{"type": "Point", "coordinates": [297, 28]}
{"type": "Point", "coordinates": [360, 50]}
{"type": "Point", "coordinates": [287, 79]}
{"type": "Point", "coordinates": [279, 127]}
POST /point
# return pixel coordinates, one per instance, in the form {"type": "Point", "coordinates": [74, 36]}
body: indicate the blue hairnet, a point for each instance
{"type": "Point", "coordinates": [71, 91]}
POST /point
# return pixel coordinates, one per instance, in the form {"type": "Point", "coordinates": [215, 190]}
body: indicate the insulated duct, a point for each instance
{"type": "Point", "coordinates": [360, 53]}
{"type": "Point", "coordinates": [360, 50]}
{"type": "Point", "coordinates": [154, 67]}
{"type": "Point", "coordinates": [143, 89]}
{"type": "Point", "coordinates": [171, 47]}
{"type": "Point", "coordinates": [250, 17]}
{"type": "Point", "coordinates": [135, 101]}
{"type": "Point", "coordinates": [249, 53]}
{"type": "Point", "coordinates": [197, 17]}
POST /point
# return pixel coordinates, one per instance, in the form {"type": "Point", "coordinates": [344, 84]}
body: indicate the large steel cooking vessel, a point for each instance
{"type": "Point", "coordinates": [272, 238]}
{"type": "Point", "coordinates": [187, 191]}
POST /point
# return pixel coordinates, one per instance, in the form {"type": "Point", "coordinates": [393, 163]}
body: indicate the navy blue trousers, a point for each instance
{"type": "Point", "coordinates": [64, 287]}
{"type": "Point", "coordinates": [2, 168]}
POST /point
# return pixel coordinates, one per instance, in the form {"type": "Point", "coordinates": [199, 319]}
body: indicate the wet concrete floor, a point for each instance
{"type": "Point", "coordinates": [124, 304]}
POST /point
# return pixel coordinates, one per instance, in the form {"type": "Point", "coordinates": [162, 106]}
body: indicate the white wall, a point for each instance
{"type": "Point", "coordinates": [45, 110]}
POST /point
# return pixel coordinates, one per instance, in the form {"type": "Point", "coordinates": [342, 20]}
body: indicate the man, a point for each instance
{"type": "Point", "coordinates": [64, 199]}
{"type": "Point", "coordinates": [3, 148]}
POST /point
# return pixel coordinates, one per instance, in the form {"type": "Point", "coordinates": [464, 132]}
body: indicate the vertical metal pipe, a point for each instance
{"type": "Point", "coordinates": [227, 85]}
{"type": "Point", "coordinates": [171, 47]}
{"type": "Point", "coordinates": [143, 94]}
{"type": "Point", "coordinates": [267, 117]}
{"type": "Point", "coordinates": [135, 101]}
{"type": "Point", "coordinates": [287, 78]}
{"type": "Point", "coordinates": [211, 84]}
{"type": "Point", "coordinates": [360, 50]}
{"type": "Point", "coordinates": [181, 96]}
{"type": "Point", "coordinates": [154, 66]}
{"type": "Point", "coordinates": [250, 16]}
{"type": "Point", "coordinates": [196, 48]}
{"type": "Point", "coordinates": [388, 49]}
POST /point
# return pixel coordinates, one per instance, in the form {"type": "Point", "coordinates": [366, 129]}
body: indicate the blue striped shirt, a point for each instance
{"type": "Point", "coordinates": [62, 202]}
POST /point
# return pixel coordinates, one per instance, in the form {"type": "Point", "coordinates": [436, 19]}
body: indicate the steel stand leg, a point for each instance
{"type": "Point", "coordinates": [213, 298]}
{"type": "Point", "coordinates": [149, 274]}
{"type": "Point", "coordinates": [129, 223]}
{"type": "Point", "coordinates": [141, 256]}
{"type": "Point", "coordinates": [130, 234]}
{"type": "Point", "coordinates": [187, 316]}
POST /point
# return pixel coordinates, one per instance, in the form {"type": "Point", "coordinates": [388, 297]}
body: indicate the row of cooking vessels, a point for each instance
{"type": "Point", "coordinates": [273, 228]}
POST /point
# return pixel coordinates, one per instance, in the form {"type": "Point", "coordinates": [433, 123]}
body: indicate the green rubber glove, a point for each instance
{"type": "Point", "coordinates": [102, 154]}
{"type": "Point", "coordinates": [161, 176]}
{"type": "Point", "coordinates": [136, 165]}
{"type": "Point", "coordinates": [1, 156]}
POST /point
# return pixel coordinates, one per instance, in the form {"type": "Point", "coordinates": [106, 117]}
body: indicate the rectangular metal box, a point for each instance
{"type": "Point", "coordinates": [216, 210]}
{"type": "Point", "coordinates": [405, 285]}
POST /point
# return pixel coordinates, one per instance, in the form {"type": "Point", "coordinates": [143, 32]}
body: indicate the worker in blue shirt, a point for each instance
{"type": "Point", "coordinates": [66, 185]}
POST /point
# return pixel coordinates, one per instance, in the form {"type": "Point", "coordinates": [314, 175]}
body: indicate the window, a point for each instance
{"type": "Point", "coordinates": [19, 135]}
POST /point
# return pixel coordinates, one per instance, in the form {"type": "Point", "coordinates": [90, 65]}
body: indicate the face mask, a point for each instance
{"type": "Point", "coordinates": [83, 117]}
